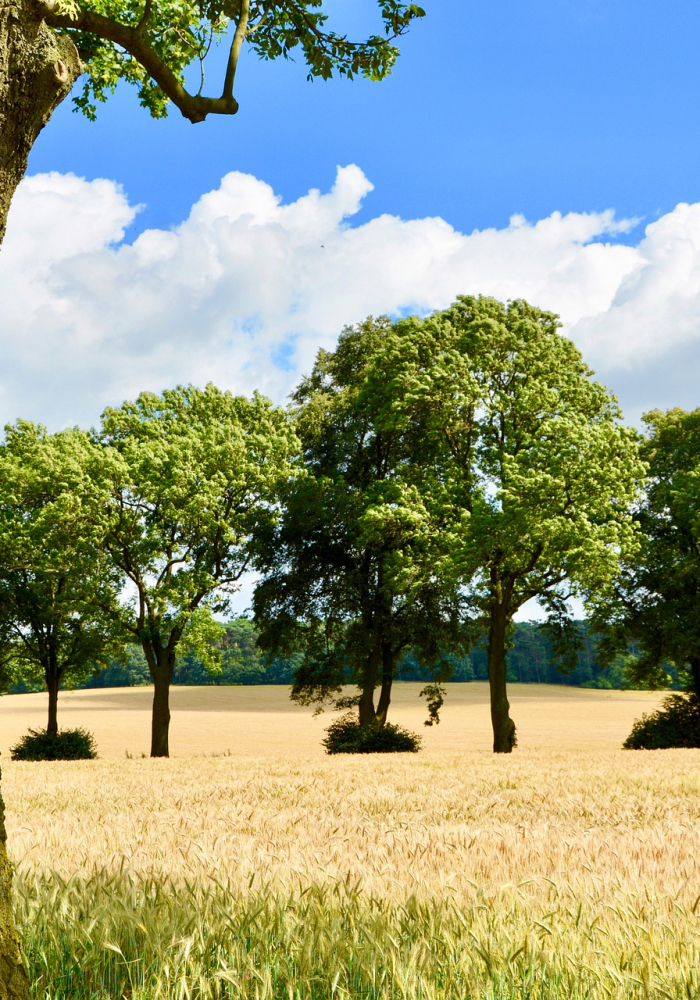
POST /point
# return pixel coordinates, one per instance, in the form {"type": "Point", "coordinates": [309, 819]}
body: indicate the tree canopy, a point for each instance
{"type": "Point", "coordinates": [192, 476]}
{"type": "Point", "coordinates": [56, 585]}
{"type": "Point", "coordinates": [151, 45]}
{"type": "Point", "coordinates": [349, 573]}
{"type": "Point", "coordinates": [528, 453]}
{"type": "Point", "coordinates": [654, 600]}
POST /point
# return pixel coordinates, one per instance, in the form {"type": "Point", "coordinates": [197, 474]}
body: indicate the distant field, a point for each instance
{"type": "Point", "coordinates": [263, 721]}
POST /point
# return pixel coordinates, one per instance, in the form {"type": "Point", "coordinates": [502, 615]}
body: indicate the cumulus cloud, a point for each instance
{"type": "Point", "coordinates": [246, 289]}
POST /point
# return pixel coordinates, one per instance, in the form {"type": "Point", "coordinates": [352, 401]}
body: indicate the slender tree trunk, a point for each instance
{"type": "Point", "coordinates": [160, 720]}
{"type": "Point", "coordinates": [52, 684]}
{"type": "Point", "coordinates": [37, 70]}
{"type": "Point", "coordinates": [14, 984]}
{"type": "Point", "coordinates": [503, 725]}
{"type": "Point", "coordinates": [369, 683]}
{"type": "Point", "coordinates": [388, 667]}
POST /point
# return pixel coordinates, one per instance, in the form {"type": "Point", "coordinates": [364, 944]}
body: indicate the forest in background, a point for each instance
{"type": "Point", "coordinates": [530, 660]}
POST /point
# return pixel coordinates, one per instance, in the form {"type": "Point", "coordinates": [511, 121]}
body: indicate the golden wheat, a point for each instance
{"type": "Point", "coordinates": [547, 873]}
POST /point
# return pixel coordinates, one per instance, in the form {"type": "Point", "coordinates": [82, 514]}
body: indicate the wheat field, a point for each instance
{"type": "Point", "coordinates": [567, 869]}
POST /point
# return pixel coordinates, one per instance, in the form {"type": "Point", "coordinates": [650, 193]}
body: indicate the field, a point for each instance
{"type": "Point", "coordinates": [252, 865]}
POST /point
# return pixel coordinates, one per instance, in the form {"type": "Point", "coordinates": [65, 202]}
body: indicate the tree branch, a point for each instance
{"type": "Point", "coordinates": [240, 33]}
{"type": "Point", "coordinates": [145, 17]}
{"type": "Point", "coordinates": [194, 108]}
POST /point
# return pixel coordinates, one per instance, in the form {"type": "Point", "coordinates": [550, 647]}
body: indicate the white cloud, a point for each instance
{"type": "Point", "coordinates": [246, 289]}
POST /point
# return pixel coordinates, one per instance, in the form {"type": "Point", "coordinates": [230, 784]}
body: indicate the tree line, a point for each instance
{"type": "Point", "coordinates": [429, 477]}
{"type": "Point", "coordinates": [529, 660]}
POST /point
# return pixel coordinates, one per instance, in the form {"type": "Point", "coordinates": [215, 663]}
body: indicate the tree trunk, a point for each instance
{"type": "Point", "coordinates": [37, 70]}
{"type": "Point", "coordinates": [695, 674]}
{"type": "Point", "coordinates": [369, 682]}
{"type": "Point", "coordinates": [14, 984]}
{"type": "Point", "coordinates": [503, 725]}
{"type": "Point", "coordinates": [160, 720]}
{"type": "Point", "coordinates": [388, 666]}
{"type": "Point", "coordinates": [52, 684]}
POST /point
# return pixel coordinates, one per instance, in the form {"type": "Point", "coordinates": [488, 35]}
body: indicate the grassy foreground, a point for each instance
{"type": "Point", "coordinates": [546, 874]}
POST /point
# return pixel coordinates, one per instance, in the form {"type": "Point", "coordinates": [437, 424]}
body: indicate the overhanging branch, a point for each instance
{"type": "Point", "coordinates": [193, 107]}
{"type": "Point", "coordinates": [235, 51]}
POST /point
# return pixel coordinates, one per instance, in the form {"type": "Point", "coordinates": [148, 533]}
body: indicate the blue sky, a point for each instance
{"type": "Point", "coordinates": [492, 109]}
{"type": "Point", "coordinates": [544, 149]}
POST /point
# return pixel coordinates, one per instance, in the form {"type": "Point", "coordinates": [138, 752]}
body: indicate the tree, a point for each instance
{"type": "Point", "coordinates": [54, 581]}
{"type": "Point", "coordinates": [192, 477]}
{"type": "Point", "coordinates": [527, 450]}
{"type": "Point", "coordinates": [349, 573]}
{"type": "Point", "coordinates": [654, 600]}
{"type": "Point", "coordinates": [46, 44]}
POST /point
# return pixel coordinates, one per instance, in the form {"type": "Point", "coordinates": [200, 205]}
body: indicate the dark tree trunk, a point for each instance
{"type": "Point", "coordinates": [160, 721]}
{"type": "Point", "coordinates": [37, 70]}
{"type": "Point", "coordinates": [503, 725]}
{"type": "Point", "coordinates": [695, 674]}
{"type": "Point", "coordinates": [369, 682]}
{"type": "Point", "coordinates": [52, 683]}
{"type": "Point", "coordinates": [388, 666]}
{"type": "Point", "coordinates": [14, 984]}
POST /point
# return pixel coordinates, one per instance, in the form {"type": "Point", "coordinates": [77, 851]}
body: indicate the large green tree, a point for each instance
{"type": "Point", "coordinates": [56, 585]}
{"type": "Point", "coordinates": [655, 600]}
{"type": "Point", "coordinates": [45, 45]}
{"type": "Point", "coordinates": [528, 452]}
{"type": "Point", "coordinates": [350, 573]}
{"type": "Point", "coordinates": [192, 478]}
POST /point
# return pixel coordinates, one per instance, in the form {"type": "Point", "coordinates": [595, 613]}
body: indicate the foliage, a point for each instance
{"type": "Point", "coordinates": [675, 724]}
{"type": "Point", "coordinates": [655, 598]}
{"type": "Point", "coordinates": [347, 735]}
{"type": "Point", "coordinates": [127, 670]}
{"type": "Point", "coordinates": [193, 476]}
{"type": "Point", "coordinates": [526, 453]}
{"type": "Point", "coordinates": [66, 744]}
{"type": "Point", "coordinates": [151, 45]}
{"type": "Point", "coordinates": [350, 574]}
{"type": "Point", "coordinates": [56, 586]}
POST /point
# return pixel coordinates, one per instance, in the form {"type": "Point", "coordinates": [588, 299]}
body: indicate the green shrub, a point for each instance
{"type": "Point", "coordinates": [68, 744]}
{"type": "Point", "coordinates": [675, 724]}
{"type": "Point", "coordinates": [346, 735]}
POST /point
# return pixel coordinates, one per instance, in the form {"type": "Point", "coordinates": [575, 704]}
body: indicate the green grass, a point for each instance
{"type": "Point", "coordinates": [120, 936]}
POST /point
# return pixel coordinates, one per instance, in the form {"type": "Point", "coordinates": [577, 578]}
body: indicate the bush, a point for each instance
{"type": "Point", "coordinates": [346, 735]}
{"type": "Point", "coordinates": [675, 724]}
{"type": "Point", "coordinates": [68, 744]}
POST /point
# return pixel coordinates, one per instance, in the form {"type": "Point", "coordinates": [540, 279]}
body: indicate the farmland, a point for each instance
{"type": "Point", "coordinates": [252, 865]}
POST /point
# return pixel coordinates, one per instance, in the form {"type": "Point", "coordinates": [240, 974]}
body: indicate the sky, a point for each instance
{"type": "Point", "coordinates": [546, 149]}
